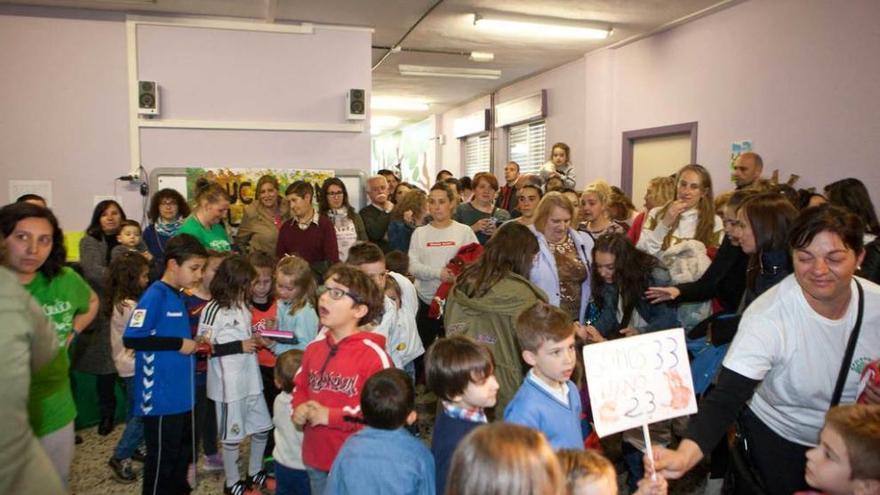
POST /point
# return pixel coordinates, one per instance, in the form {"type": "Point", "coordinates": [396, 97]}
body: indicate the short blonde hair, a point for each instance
{"type": "Point", "coordinates": [601, 189]}
{"type": "Point", "coordinates": [578, 465]}
{"type": "Point", "coordinates": [504, 459]}
{"type": "Point", "coordinates": [553, 199]}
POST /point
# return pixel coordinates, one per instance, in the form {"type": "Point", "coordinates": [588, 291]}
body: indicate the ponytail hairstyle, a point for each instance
{"type": "Point", "coordinates": [210, 192]}
{"type": "Point", "coordinates": [303, 280]}
{"type": "Point", "coordinates": [632, 269]}
{"type": "Point", "coordinates": [705, 231]}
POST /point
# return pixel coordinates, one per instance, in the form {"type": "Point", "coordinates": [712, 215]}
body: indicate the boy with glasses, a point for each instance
{"type": "Point", "coordinates": [326, 400]}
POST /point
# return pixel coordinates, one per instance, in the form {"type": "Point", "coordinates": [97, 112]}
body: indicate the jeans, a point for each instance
{"type": "Point", "coordinates": [317, 480]}
{"type": "Point", "coordinates": [133, 436]}
{"type": "Point", "coordinates": [289, 481]}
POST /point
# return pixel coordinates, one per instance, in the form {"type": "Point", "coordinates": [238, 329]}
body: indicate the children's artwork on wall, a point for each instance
{"type": "Point", "coordinates": [738, 148]}
{"type": "Point", "coordinates": [639, 380]}
{"type": "Point", "coordinates": [241, 183]}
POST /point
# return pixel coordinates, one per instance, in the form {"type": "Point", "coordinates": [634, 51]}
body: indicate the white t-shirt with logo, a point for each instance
{"type": "Point", "coordinates": [235, 376]}
{"type": "Point", "coordinates": [430, 249]}
{"type": "Point", "coordinates": [797, 353]}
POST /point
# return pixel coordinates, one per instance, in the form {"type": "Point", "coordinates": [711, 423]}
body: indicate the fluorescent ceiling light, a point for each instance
{"type": "Point", "coordinates": [384, 121]}
{"type": "Point", "coordinates": [482, 56]}
{"type": "Point", "coordinates": [461, 72]}
{"type": "Point", "coordinates": [540, 28]}
{"type": "Point", "coordinates": [392, 103]}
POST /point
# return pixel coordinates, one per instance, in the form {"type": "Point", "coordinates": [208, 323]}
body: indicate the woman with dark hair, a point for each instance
{"type": "Point", "coordinates": [307, 234]}
{"type": "Point", "coordinates": [206, 221]}
{"type": "Point", "coordinates": [167, 211]}
{"type": "Point", "coordinates": [400, 191]}
{"type": "Point", "coordinates": [443, 175]}
{"type": "Point", "coordinates": [258, 230]}
{"type": "Point", "coordinates": [853, 195]}
{"type": "Point", "coordinates": [35, 254]}
{"type": "Point", "coordinates": [91, 352]}
{"type": "Point", "coordinates": [788, 363]}
{"type": "Point", "coordinates": [488, 297]}
{"type": "Point", "coordinates": [481, 214]}
{"type": "Point", "coordinates": [333, 203]}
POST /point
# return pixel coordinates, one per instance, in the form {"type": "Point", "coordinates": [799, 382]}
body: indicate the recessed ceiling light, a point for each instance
{"type": "Point", "coordinates": [482, 56]}
{"type": "Point", "coordinates": [526, 26]}
{"type": "Point", "coordinates": [461, 72]}
{"type": "Point", "coordinates": [392, 103]}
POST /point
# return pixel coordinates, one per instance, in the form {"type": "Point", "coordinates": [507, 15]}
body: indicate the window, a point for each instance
{"type": "Point", "coordinates": [525, 146]}
{"type": "Point", "coordinates": [476, 154]}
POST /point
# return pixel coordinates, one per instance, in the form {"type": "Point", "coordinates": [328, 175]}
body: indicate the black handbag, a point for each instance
{"type": "Point", "coordinates": [742, 477]}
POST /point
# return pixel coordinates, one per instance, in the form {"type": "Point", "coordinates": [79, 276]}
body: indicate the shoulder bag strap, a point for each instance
{"type": "Point", "coordinates": [850, 349]}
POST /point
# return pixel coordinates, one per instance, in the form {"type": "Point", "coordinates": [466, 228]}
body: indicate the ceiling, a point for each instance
{"type": "Point", "coordinates": [448, 27]}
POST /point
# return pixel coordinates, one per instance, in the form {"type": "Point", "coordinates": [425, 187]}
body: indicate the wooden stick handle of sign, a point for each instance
{"type": "Point", "coordinates": [649, 451]}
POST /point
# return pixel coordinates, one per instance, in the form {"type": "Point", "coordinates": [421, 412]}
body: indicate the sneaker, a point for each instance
{"type": "Point", "coordinates": [212, 463]}
{"type": "Point", "coordinates": [122, 470]}
{"type": "Point", "coordinates": [240, 488]}
{"type": "Point", "coordinates": [261, 480]}
{"type": "Point", "coordinates": [140, 454]}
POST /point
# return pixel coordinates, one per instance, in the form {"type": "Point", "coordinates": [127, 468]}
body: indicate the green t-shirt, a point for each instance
{"type": "Point", "coordinates": [214, 239]}
{"type": "Point", "coordinates": [51, 405]}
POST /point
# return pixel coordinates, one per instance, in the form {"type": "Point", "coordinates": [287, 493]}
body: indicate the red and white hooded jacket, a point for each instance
{"type": "Point", "coordinates": [333, 374]}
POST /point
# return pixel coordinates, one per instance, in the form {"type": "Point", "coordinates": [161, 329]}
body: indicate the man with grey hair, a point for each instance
{"type": "Point", "coordinates": [376, 215]}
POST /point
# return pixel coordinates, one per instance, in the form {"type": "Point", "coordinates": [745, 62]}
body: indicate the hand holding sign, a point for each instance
{"type": "Point", "coordinates": [639, 380]}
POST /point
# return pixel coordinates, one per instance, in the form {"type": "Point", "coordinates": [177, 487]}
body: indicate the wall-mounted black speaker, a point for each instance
{"type": "Point", "coordinates": [148, 98]}
{"type": "Point", "coordinates": [356, 104]}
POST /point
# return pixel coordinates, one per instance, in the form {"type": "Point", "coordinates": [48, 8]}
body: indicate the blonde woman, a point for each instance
{"type": "Point", "coordinates": [562, 267]}
{"type": "Point", "coordinates": [660, 191]}
{"type": "Point", "coordinates": [691, 215]}
{"type": "Point", "coordinates": [595, 218]}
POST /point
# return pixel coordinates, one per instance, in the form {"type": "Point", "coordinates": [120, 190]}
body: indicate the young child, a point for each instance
{"type": "Point", "coordinates": [159, 333]}
{"type": "Point", "coordinates": [204, 410]}
{"type": "Point", "coordinates": [589, 473]}
{"type": "Point", "coordinates": [290, 472]}
{"type": "Point", "coordinates": [505, 459]}
{"type": "Point", "coordinates": [127, 277]}
{"type": "Point", "coordinates": [847, 459]}
{"type": "Point", "coordinates": [548, 400]}
{"type": "Point", "coordinates": [461, 373]}
{"type": "Point", "coordinates": [129, 239]}
{"type": "Point", "coordinates": [264, 315]}
{"type": "Point", "coordinates": [398, 324]}
{"type": "Point", "coordinates": [297, 294]}
{"type": "Point", "coordinates": [326, 398]}
{"type": "Point", "coordinates": [384, 457]}
{"type": "Point", "coordinates": [234, 382]}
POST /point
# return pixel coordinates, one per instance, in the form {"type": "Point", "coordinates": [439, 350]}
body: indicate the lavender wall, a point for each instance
{"type": "Point", "coordinates": [451, 152]}
{"type": "Point", "coordinates": [66, 103]}
{"type": "Point", "coordinates": [798, 78]}
{"type": "Point", "coordinates": [65, 107]}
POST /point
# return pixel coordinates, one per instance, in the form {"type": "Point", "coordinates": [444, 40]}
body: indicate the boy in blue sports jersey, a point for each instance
{"type": "Point", "coordinates": [159, 333]}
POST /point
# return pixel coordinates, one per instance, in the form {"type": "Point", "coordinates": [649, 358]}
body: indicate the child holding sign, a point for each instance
{"type": "Point", "coordinates": [548, 400]}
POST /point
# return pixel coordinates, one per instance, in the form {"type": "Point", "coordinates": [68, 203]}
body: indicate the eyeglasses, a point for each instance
{"type": "Point", "coordinates": [336, 193]}
{"type": "Point", "coordinates": [169, 202]}
{"type": "Point", "coordinates": [337, 294]}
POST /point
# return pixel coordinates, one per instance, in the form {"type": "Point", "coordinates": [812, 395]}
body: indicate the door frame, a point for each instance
{"type": "Point", "coordinates": [629, 138]}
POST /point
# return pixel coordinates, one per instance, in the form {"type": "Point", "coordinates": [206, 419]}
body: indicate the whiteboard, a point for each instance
{"type": "Point", "coordinates": [175, 178]}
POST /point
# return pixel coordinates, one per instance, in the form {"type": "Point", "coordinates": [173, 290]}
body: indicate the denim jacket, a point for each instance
{"type": "Point", "coordinates": [546, 277]}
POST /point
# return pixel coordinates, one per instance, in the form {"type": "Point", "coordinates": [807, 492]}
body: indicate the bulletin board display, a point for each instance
{"type": "Point", "coordinates": [241, 183]}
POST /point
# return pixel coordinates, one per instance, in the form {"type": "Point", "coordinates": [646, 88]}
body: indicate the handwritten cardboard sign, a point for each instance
{"type": "Point", "coordinates": [639, 380]}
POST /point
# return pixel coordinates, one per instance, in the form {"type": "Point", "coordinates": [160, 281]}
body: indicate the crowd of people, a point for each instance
{"type": "Point", "coordinates": [311, 328]}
